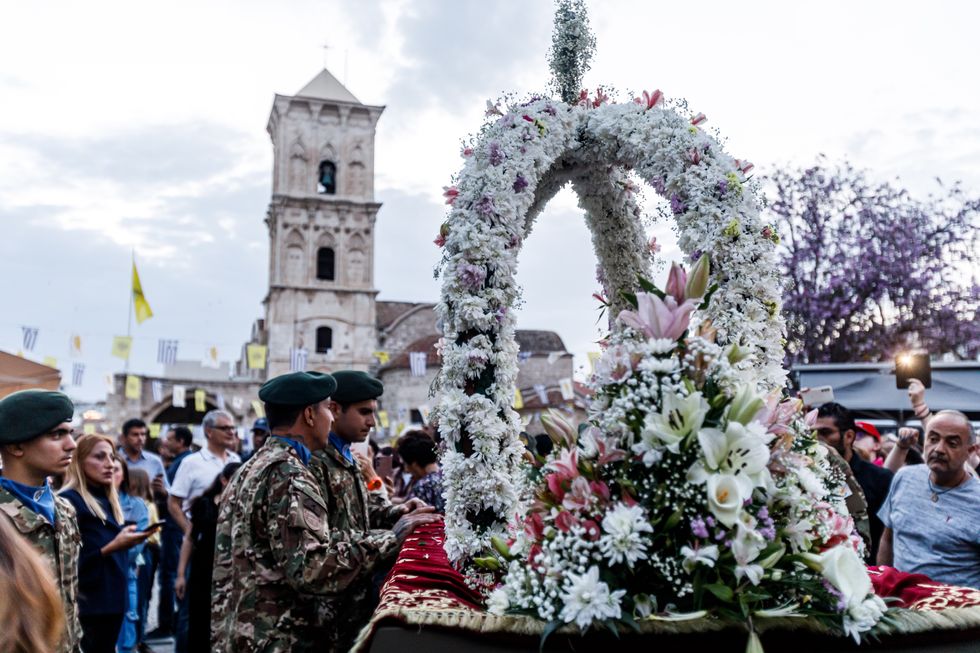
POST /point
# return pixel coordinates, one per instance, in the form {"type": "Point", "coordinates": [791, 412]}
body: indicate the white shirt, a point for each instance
{"type": "Point", "coordinates": [196, 474]}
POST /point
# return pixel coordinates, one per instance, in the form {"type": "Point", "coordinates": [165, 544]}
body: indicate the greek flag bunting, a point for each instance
{"type": "Point", "coordinates": [167, 352]}
{"type": "Point", "coordinates": [30, 337]}
{"type": "Point", "coordinates": [297, 359]}
{"type": "Point", "coordinates": [417, 361]}
{"type": "Point", "coordinates": [77, 373]}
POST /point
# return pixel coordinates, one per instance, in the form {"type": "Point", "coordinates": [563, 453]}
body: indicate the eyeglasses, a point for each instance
{"type": "Point", "coordinates": [226, 429]}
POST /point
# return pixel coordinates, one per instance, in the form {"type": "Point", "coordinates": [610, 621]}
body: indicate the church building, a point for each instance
{"type": "Point", "coordinates": [321, 310]}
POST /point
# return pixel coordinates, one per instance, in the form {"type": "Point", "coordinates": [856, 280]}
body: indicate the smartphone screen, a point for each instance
{"type": "Point", "coordinates": [913, 366]}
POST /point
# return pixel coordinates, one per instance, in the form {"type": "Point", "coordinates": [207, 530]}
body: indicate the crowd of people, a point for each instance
{"type": "Point", "coordinates": [96, 525]}
{"type": "Point", "coordinates": [286, 551]}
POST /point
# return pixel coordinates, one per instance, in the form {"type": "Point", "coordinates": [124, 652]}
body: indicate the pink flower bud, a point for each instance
{"type": "Point", "coordinates": [699, 119]}
{"type": "Point", "coordinates": [676, 282]}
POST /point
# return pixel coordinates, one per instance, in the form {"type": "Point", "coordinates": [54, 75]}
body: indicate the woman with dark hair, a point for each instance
{"type": "Point", "coordinates": [418, 453]}
{"type": "Point", "coordinates": [198, 550]}
{"type": "Point", "coordinates": [105, 541]}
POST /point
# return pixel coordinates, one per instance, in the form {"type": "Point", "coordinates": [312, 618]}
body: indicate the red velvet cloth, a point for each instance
{"type": "Point", "coordinates": [919, 592]}
{"type": "Point", "coordinates": [422, 577]}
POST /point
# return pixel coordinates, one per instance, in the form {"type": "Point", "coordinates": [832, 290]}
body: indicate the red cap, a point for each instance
{"type": "Point", "coordinates": [869, 428]}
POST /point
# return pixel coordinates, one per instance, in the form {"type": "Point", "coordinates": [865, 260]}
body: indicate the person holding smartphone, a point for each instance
{"type": "Point", "coordinates": [106, 539]}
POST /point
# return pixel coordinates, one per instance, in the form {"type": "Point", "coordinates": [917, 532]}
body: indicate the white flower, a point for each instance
{"type": "Point", "coordinates": [739, 451]}
{"type": "Point", "coordinates": [725, 498]}
{"type": "Point", "coordinates": [843, 569]}
{"type": "Point", "coordinates": [498, 602]}
{"type": "Point", "coordinates": [746, 547]}
{"type": "Point", "coordinates": [704, 555]}
{"type": "Point", "coordinates": [677, 419]}
{"type": "Point", "coordinates": [863, 616]}
{"type": "Point", "coordinates": [588, 599]}
{"type": "Point", "coordinates": [621, 540]}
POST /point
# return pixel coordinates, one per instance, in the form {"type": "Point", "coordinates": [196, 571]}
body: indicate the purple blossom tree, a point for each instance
{"type": "Point", "coordinates": [871, 270]}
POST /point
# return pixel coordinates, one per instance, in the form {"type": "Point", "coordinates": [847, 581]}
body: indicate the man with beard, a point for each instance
{"type": "Point", "coordinates": [835, 427]}
{"type": "Point", "coordinates": [932, 514]}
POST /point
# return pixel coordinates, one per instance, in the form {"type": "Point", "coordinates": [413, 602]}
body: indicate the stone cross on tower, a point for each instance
{"type": "Point", "coordinates": [321, 228]}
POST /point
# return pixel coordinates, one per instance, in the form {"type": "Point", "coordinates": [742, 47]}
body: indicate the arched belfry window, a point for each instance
{"type": "Point", "coordinates": [327, 178]}
{"type": "Point", "coordinates": [325, 264]}
{"type": "Point", "coordinates": [324, 340]}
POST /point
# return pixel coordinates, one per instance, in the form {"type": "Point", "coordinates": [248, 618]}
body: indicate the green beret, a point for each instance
{"type": "Point", "coordinates": [298, 389]}
{"type": "Point", "coordinates": [354, 387]}
{"type": "Point", "coordinates": [27, 414]}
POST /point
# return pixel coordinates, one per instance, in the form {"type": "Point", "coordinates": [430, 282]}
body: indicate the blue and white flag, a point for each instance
{"type": "Point", "coordinates": [297, 359]}
{"type": "Point", "coordinates": [77, 373]}
{"type": "Point", "coordinates": [30, 337]}
{"type": "Point", "coordinates": [417, 361]}
{"type": "Point", "coordinates": [167, 352]}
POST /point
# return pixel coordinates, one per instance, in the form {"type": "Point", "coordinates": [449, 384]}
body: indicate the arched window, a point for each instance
{"type": "Point", "coordinates": [324, 340]}
{"type": "Point", "coordinates": [324, 264]}
{"type": "Point", "coordinates": [327, 178]}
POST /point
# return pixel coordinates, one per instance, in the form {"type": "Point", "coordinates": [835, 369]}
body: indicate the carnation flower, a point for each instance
{"type": "Point", "coordinates": [622, 540]}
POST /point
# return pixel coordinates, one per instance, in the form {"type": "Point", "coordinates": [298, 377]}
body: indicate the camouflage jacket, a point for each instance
{"type": "Point", "coordinates": [363, 517]}
{"type": "Point", "coordinates": [60, 545]}
{"type": "Point", "coordinates": [276, 556]}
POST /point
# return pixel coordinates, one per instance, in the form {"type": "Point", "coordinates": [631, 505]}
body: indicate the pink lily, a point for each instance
{"type": "Point", "coordinates": [579, 495]}
{"type": "Point", "coordinates": [534, 526]}
{"type": "Point", "coordinates": [600, 98]}
{"type": "Point", "coordinates": [659, 318]}
{"type": "Point", "coordinates": [440, 240]}
{"type": "Point", "coordinates": [699, 119]}
{"type": "Point", "coordinates": [566, 465]}
{"type": "Point", "coordinates": [653, 245]}
{"type": "Point", "coordinates": [566, 521]}
{"type": "Point", "coordinates": [744, 166]}
{"type": "Point", "coordinates": [554, 483]}
{"type": "Point", "coordinates": [694, 154]}
{"type": "Point", "coordinates": [450, 193]}
{"type": "Point", "coordinates": [608, 452]}
{"type": "Point", "coordinates": [467, 152]}
{"type": "Point", "coordinates": [676, 282]}
{"type": "Point", "coordinates": [650, 99]}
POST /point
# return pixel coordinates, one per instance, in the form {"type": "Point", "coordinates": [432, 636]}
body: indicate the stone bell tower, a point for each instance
{"type": "Point", "coordinates": [321, 227]}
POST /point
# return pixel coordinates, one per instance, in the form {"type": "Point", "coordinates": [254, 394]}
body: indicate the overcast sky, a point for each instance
{"type": "Point", "coordinates": [136, 125]}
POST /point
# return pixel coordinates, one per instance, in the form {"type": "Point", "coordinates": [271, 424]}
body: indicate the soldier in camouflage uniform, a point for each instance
{"type": "Point", "coordinates": [275, 554]}
{"type": "Point", "coordinates": [36, 442]}
{"type": "Point", "coordinates": [362, 512]}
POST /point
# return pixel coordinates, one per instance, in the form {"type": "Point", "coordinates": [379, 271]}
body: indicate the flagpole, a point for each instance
{"type": "Point", "coordinates": [129, 316]}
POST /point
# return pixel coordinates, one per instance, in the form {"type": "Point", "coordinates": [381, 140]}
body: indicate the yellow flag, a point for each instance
{"type": "Point", "coordinates": [51, 361]}
{"type": "Point", "coordinates": [383, 418]}
{"type": "Point", "coordinates": [382, 356]}
{"type": "Point", "coordinates": [132, 387]}
{"type": "Point", "coordinates": [518, 399]}
{"type": "Point", "coordinates": [88, 428]}
{"type": "Point", "coordinates": [200, 400]}
{"type": "Point", "coordinates": [121, 346]}
{"type": "Point", "coordinates": [140, 305]}
{"type": "Point", "coordinates": [256, 356]}
{"type": "Point", "coordinates": [154, 430]}
{"type": "Point", "coordinates": [258, 408]}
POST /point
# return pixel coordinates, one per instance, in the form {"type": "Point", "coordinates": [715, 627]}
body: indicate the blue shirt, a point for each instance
{"type": "Point", "coordinates": [941, 538]}
{"type": "Point", "coordinates": [342, 446]}
{"type": "Point", "coordinates": [149, 462]}
{"type": "Point", "coordinates": [39, 499]}
{"type": "Point", "coordinates": [301, 449]}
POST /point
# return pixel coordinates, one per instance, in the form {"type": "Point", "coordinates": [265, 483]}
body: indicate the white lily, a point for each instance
{"type": "Point", "coordinates": [703, 555]}
{"type": "Point", "coordinates": [677, 419]}
{"type": "Point", "coordinates": [725, 498]}
{"type": "Point", "coordinates": [740, 451]}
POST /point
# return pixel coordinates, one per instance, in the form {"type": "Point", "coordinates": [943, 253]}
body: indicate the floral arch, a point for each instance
{"type": "Point", "coordinates": [518, 163]}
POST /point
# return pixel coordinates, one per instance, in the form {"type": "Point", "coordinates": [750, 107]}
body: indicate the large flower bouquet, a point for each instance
{"type": "Point", "coordinates": [687, 495]}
